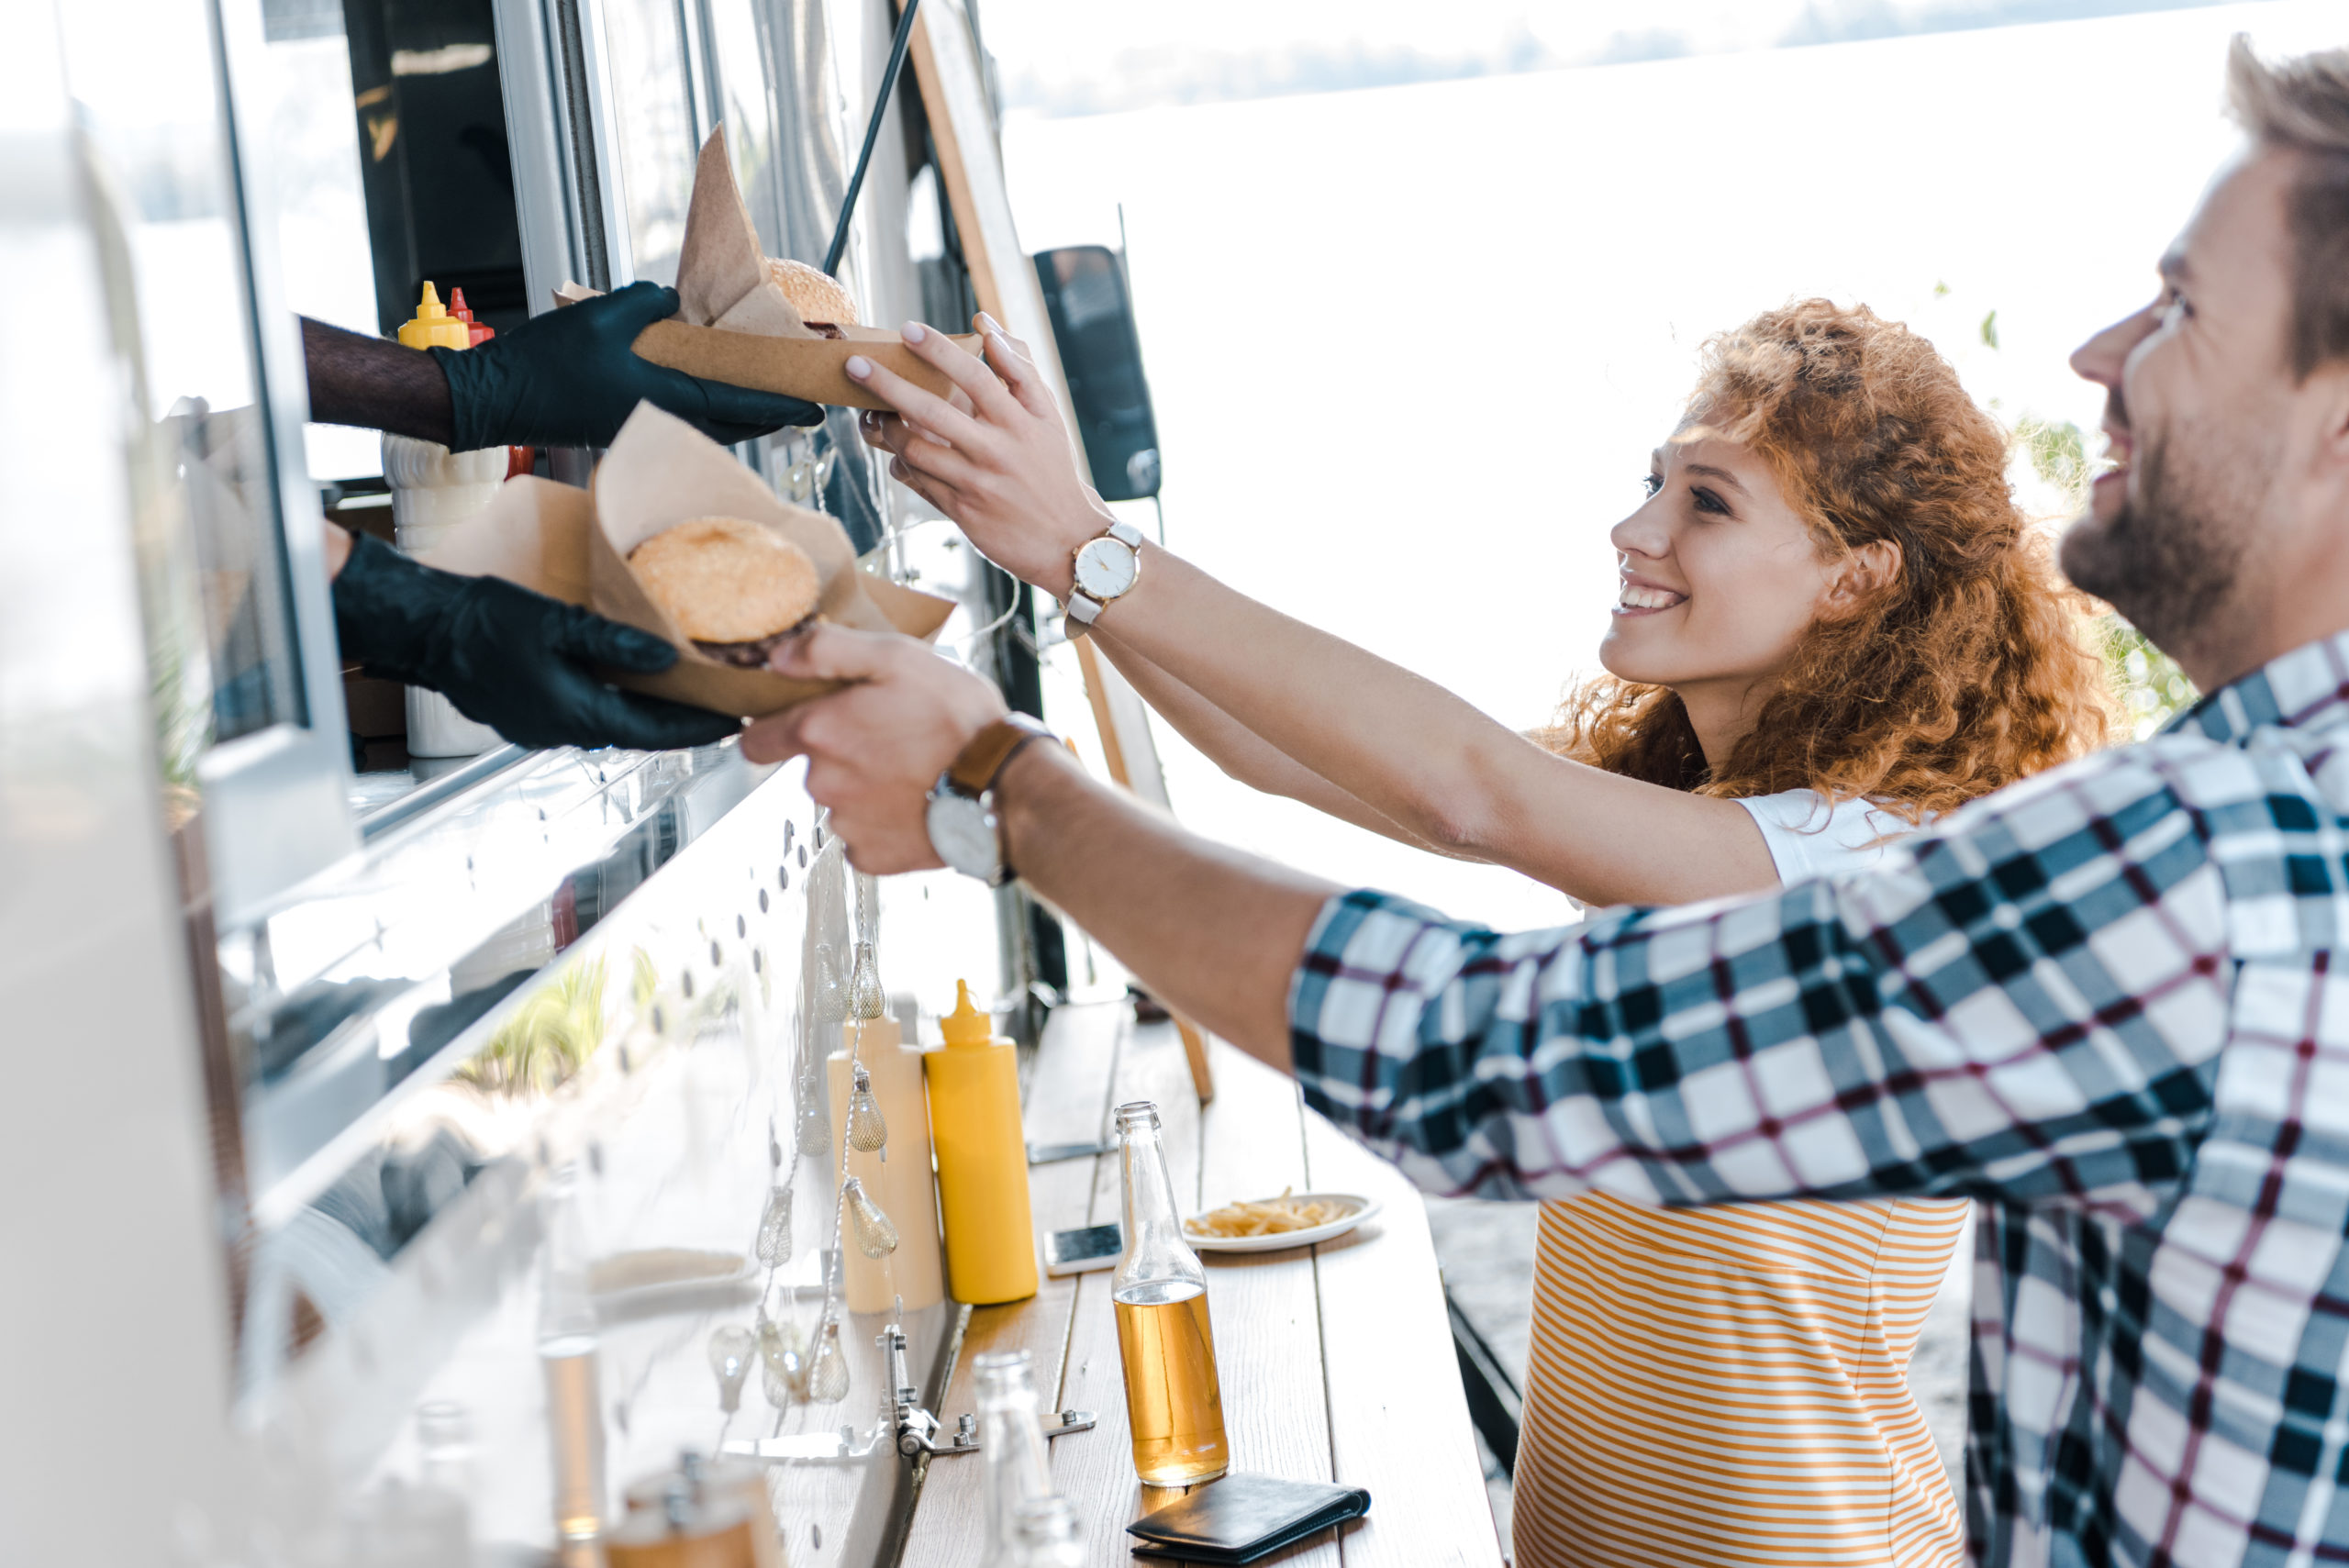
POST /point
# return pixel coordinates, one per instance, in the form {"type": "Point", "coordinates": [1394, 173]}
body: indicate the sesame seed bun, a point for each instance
{"type": "Point", "coordinates": [723, 580]}
{"type": "Point", "coordinates": [818, 295]}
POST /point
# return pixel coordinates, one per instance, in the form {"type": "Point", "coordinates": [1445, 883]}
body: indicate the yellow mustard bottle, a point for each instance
{"type": "Point", "coordinates": [433, 328]}
{"type": "Point", "coordinates": [982, 1158]}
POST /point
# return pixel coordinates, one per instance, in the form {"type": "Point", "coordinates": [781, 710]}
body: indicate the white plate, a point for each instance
{"type": "Point", "coordinates": [1359, 1209]}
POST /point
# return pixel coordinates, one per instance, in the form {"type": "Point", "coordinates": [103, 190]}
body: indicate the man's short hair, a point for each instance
{"type": "Point", "coordinates": [2303, 105]}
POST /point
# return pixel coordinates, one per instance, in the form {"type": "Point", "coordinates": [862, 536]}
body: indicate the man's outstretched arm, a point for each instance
{"type": "Point", "coordinates": [1215, 931]}
{"type": "Point", "coordinates": [2029, 1008]}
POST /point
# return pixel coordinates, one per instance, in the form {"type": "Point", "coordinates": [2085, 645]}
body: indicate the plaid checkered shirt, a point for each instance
{"type": "Point", "coordinates": [2099, 1002]}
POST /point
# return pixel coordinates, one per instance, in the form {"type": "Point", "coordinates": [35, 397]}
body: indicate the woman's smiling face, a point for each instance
{"type": "Point", "coordinates": [1720, 577]}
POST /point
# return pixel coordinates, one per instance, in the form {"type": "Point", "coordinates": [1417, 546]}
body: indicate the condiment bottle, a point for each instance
{"type": "Point", "coordinates": [897, 1176]}
{"type": "Point", "coordinates": [433, 326]}
{"type": "Point", "coordinates": [982, 1158]}
{"type": "Point", "coordinates": [519, 459]}
{"type": "Point", "coordinates": [1174, 1399]}
{"type": "Point", "coordinates": [476, 332]}
{"type": "Point", "coordinates": [1019, 1469]}
{"type": "Point", "coordinates": [433, 490]}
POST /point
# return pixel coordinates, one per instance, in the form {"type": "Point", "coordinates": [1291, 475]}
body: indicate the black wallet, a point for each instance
{"type": "Point", "coordinates": [1242, 1517]}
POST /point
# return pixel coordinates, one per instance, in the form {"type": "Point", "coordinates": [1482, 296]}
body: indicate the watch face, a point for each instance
{"type": "Point", "coordinates": [1105, 568]}
{"type": "Point", "coordinates": [962, 832]}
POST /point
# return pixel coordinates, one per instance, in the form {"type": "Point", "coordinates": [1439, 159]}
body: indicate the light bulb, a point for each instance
{"type": "Point", "coordinates": [813, 1117]}
{"type": "Point", "coordinates": [783, 1368]}
{"type": "Point", "coordinates": [864, 998]}
{"type": "Point", "coordinates": [876, 1236]}
{"type": "Point", "coordinates": [828, 1375]}
{"type": "Point", "coordinates": [773, 1245]}
{"type": "Point", "coordinates": [866, 1130]}
{"type": "Point", "coordinates": [831, 1002]}
{"type": "Point", "coordinates": [731, 1350]}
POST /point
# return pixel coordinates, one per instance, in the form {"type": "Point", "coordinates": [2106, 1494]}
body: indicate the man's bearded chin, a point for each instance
{"type": "Point", "coordinates": [2169, 559]}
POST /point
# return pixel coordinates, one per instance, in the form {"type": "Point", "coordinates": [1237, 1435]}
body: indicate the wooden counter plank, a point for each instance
{"type": "Point", "coordinates": [1399, 1417]}
{"type": "Point", "coordinates": [1068, 1101]}
{"type": "Point", "coordinates": [1095, 1470]}
{"type": "Point", "coordinates": [1266, 1310]}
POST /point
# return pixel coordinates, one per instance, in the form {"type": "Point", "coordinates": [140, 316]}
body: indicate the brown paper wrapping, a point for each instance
{"type": "Point", "coordinates": [572, 544]}
{"type": "Point", "coordinates": [734, 324]}
{"type": "Point", "coordinates": [812, 368]}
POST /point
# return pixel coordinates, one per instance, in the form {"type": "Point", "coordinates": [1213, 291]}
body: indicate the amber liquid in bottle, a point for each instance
{"type": "Point", "coordinates": [1172, 1399]}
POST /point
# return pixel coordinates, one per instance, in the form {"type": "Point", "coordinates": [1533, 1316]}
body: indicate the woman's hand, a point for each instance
{"type": "Point", "coordinates": [994, 455]}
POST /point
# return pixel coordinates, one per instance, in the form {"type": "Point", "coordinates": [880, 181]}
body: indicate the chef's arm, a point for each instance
{"type": "Point", "coordinates": [375, 384]}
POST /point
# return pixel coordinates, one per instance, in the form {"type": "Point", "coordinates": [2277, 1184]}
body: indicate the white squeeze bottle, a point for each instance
{"type": "Point", "coordinates": [433, 490]}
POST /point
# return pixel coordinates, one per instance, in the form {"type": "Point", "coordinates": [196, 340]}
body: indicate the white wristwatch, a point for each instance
{"type": "Point", "coordinates": [1108, 565]}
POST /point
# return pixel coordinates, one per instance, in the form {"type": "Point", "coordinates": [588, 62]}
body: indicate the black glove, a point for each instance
{"type": "Point", "coordinates": [519, 662]}
{"type": "Point", "coordinates": [569, 379]}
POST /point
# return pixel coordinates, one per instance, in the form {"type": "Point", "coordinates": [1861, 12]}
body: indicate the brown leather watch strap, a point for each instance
{"type": "Point", "coordinates": [979, 761]}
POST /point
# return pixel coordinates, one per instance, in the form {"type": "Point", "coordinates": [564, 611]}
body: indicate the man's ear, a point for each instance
{"type": "Point", "coordinates": [2327, 391]}
{"type": "Point", "coordinates": [1863, 573]}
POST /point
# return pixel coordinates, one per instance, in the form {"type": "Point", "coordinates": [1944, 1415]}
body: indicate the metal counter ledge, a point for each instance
{"type": "Point", "coordinates": [1336, 1360]}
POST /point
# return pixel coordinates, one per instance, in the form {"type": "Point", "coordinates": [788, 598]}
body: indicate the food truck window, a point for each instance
{"type": "Point", "coordinates": [239, 630]}
{"type": "Point", "coordinates": [315, 167]}
{"type": "Point", "coordinates": [651, 110]}
{"type": "Point", "coordinates": [158, 152]}
{"type": "Point", "coordinates": [431, 131]}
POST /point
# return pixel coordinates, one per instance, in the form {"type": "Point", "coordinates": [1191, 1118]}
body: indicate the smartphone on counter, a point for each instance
{"type": "Point", "coordinates": [1077, 1252]}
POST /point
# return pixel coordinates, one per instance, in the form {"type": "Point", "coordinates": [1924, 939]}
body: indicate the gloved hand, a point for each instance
{"type": "Point", "coordinates": [569, 378]}
{"type": "Point", "coordinates": [519, 662]}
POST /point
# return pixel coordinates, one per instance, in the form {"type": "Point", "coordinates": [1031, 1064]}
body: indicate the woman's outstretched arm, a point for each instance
{"type": "Point", "coordinates": [1411, 752]}
{"type": "Point", "coordinates": [1249, 758]}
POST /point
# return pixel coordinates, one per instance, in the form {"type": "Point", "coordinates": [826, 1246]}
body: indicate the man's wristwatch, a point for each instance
{"type": "Point", "coordinates": [961, 818]}
{"type": "Point", "coordinates": [1108, 565]}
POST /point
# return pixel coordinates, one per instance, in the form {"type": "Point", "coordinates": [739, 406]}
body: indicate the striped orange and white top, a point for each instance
{"type": "Point", "coordinates": [1728, 1385]}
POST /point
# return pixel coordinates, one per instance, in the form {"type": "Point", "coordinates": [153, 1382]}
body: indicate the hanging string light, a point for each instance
{"type": "Point", "coordinates": [732, 1351]}
{"type": "Point", "coordinates": [868, 1132]}
{"type": "Point", "coordinates": [774, 1244]}
{"type": "Point", "coordinates": [876, 1237]}
{"type": "Point", "coordinates": [828, 1376]}
{"type": "Point", "coordinates": [783, 1364]}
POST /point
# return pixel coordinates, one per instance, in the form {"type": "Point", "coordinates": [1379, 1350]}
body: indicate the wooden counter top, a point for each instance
{"type": "Point", "coordinates": [1336, 1360]}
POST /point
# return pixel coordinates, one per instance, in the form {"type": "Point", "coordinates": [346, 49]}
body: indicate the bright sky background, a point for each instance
{"type": "Point", "coordinates": [1081, 55]}
{"type": "Point", "coordinates": [1411, 346]}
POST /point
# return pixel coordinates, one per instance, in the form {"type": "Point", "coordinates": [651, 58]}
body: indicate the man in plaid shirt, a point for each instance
{"type": "Point", "coordinates": [2101, 1001]}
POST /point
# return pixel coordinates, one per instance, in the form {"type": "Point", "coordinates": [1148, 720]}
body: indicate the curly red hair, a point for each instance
{"type": "Point", "coordinates": [1965, 673]}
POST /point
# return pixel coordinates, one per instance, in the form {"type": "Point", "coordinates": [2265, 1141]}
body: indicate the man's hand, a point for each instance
{"type": "Point", "coordinates": [875, 748]}
{"type": "Point", "coordinates": [570, 377]}
{"type": "Point", "coordinates": [519, 662]}
{"type": "Point", "coordinates": [993, 455]}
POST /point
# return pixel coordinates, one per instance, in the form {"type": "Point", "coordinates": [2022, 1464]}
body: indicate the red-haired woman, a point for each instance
{"type": "Point", "coordinates": [1832, 625]}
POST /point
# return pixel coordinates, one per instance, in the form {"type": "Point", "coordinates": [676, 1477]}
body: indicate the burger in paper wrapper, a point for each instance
{"type": "Point", "coordinates": [823, 304]}
{"type": "Point", "coordinates": [661, 477]}
{"type": "Point", "coordinates": [752, 319]}
{"type": "Point", "coordinates": [736, 589]}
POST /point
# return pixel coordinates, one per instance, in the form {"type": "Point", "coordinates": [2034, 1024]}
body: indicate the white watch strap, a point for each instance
{"type": "Point", "coordinates": [1082, 607]}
